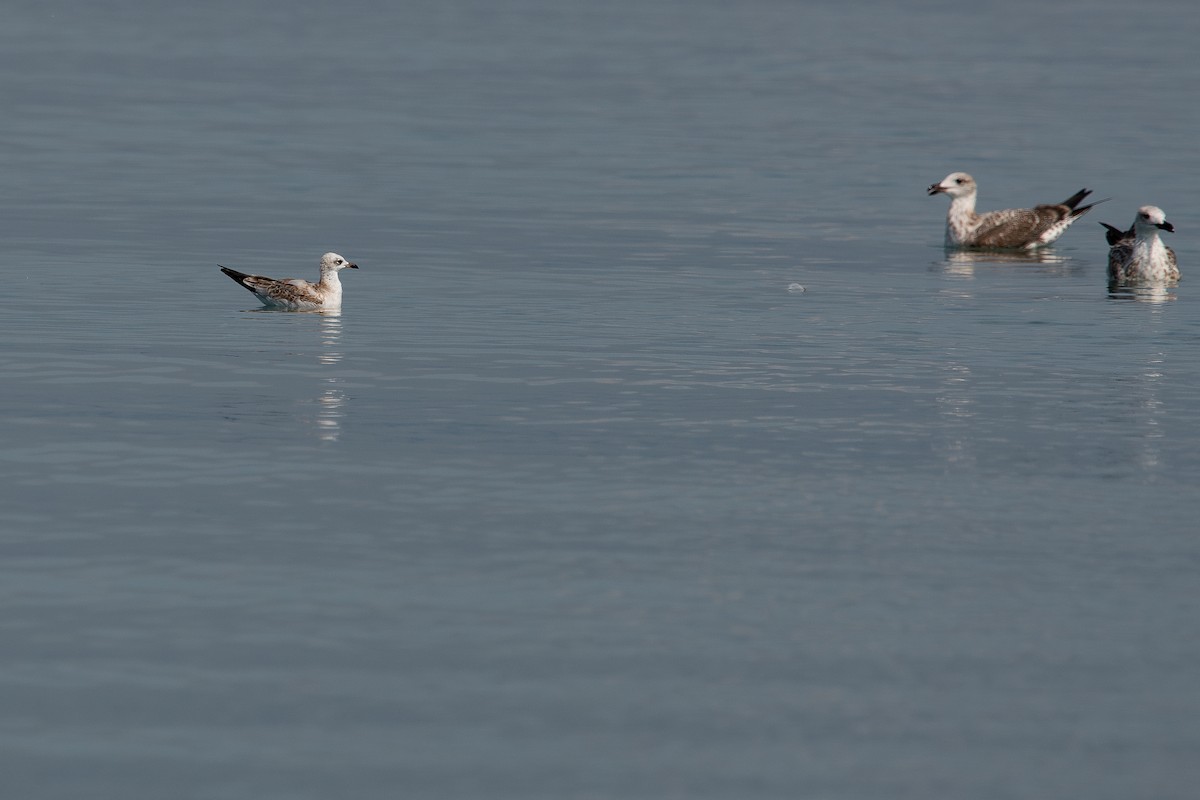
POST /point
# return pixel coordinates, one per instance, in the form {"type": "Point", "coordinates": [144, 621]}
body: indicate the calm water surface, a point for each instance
{"type": "Point", "coordinates": [582, 495]}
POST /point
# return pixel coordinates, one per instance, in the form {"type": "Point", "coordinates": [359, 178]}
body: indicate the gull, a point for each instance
{"type": "Point", "coordinates": [1024, 228]}
{"type": "Point", "coordinates": [297, 294]}
{"type": "Point", "coordinates": [1138, 254]}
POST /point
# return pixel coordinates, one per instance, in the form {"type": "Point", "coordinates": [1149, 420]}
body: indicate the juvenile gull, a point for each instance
{"type": "Point", "coordinates": [297, 294]}
{"type": "Point", "coordinates": [1138, 254]}
{"type": "Point", "coordinates": [1024, 228]}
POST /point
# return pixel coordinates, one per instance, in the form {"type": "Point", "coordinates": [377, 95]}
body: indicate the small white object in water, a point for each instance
{"type": "Point", "coordinates": [1012, 228]}
{"type": "Point", "coordinates": [1138, 254]}
{"type": "Point", "coordinates": [297, 294]}
{"type": "Point", "coordinates": [795, 287]}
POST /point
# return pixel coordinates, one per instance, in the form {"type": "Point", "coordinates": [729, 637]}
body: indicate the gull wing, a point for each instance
{"type": "Point", "coordinates": [287, 292]}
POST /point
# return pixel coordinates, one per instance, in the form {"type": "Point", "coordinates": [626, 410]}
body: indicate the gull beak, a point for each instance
{"type": "Point", "coordinates": [1166, 226]}
{"type": "Point", "coordinates": [352, 266]}
{"type": "Point", "coordinates": [936, 189]}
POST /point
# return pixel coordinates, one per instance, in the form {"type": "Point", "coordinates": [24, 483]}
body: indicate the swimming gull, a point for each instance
{"type": "Point", "coordinates": [1023, 228]}
{"type": "Point", "coordinates": [1138, 254]}
{"type": "Point", "coordinates": [297, 294]}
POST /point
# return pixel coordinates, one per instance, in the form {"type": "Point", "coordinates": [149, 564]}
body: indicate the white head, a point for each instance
{"type": "Point", "coordinates": [1151, 219]}
{"type": "Point", "coordinates": [956, 184]}
{"type": "Point", "coordinates": [332, 262]}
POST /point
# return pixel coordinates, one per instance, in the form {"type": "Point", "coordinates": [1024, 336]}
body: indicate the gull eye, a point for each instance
{"type": "Point", "coordinates": [958, 181]}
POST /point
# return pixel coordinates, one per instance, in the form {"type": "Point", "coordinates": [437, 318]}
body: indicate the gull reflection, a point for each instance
{"type": "Point", "coordinates": [332, 399]}
{"type": "Point", "coordinates": [1151, 412]}
{"type": "Point", "coordinates": [1146, 396]}
{"type": "Point", "coordinates": [954, 403]}
{"type": "Point", "coordinates": [1153, 293]}
{"type": "Point", "coordinates": [962, 263]}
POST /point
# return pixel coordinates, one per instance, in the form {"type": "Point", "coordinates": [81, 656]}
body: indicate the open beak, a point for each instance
{"type": "Point", "coordinates": [1166, 226]}
{"type": "Point", "coordinates": [936, 189]}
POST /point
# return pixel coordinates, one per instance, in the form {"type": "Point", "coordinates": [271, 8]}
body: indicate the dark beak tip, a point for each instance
{"type": "Point", "coordinates": [352, 266]}
{"type": "Point", "coordinates": [1168, 227]}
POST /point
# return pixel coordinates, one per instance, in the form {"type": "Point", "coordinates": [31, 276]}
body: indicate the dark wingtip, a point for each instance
{"type": "Point", "coordinates": [240, 277]}
{"type": "Point", "coordinates": [1113, 235]}
{"type": "Point", "coordinates": [1076, 198]}
{"type": "Point", "coordinates": [1076, 212]}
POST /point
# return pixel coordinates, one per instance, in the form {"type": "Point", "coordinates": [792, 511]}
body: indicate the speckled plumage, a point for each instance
{"type": "Point", "coordinates": [1139, 255]}
{"type": "Point", "coordinates": [1013, 228]}
{"type": "Point", "coordinates": [297, 294]}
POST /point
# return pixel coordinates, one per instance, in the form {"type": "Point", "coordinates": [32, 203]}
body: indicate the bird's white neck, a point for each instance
{"type": "Point", "coordinates": [960, 219]}
{"type": "Point", "coordinates": [331, 288]}
{"type": "Point", "coordinates": [1149, 245]}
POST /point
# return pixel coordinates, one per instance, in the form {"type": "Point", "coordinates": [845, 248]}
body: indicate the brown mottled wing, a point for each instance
{"type": "Point", "coordinates": [271, 290]}
{"type": "Point", "coordinates": [290, 291]}
{"type": "Point", "coordinates": [1118, 257]}
{"type": "Point", "coordinates": [1173, 263]}
{"type": "Point", "coordinates": [1017, 227]}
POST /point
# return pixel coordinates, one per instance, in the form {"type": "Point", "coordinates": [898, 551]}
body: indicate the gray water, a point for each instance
{"type": "Point", "coordinates": [582, 495]}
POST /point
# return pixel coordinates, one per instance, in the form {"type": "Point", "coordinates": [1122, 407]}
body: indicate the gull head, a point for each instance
{"type": "Point", "coordinates": [956, 184]}
{"type": "Point", "coordinates": [332, 262]}
{"type": "Point", "coordinates": [1152, 218]}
